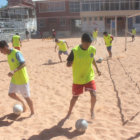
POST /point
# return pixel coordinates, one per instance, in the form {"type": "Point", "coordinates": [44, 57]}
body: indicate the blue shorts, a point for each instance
{"type": "Point", "coordinates": [64, 52]}
{"type": "Point", "coordinates": [109, 48]}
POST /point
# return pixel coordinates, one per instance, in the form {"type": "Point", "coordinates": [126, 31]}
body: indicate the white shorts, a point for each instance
{"type": "Point", "coordinates": [24, 90]}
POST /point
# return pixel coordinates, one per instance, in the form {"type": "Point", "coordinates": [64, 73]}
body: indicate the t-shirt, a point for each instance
{"type": "Point", "coordinates": [82, 64]}
{"type": "Point", "coordinates": [62, 45]}
{"type": "Point", "coordinates": [71, 55]}
{"type": "Point", "coordinates": [19, 57]}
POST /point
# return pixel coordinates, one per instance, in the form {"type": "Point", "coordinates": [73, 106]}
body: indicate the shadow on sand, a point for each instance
{"type": "Point", "coordinates": [53, 63]}
{"type": "Point", "coordinates": [56, 131]}
{"type": "Point", "coordinates": [9, 119]}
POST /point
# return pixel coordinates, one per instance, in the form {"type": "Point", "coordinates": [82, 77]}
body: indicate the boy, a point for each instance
{"type": "Point", "coordinates": [16, 41]}
{"type": "Point", "coordinates": [27, 34]}
{"type": "Point", "coordinates": [133, 34]}
{"type": "Point", "coordinates": [18, 74]}
{"type": "Point", "coordinates": [62, 48]}
{"type": "Point", "coordinates": [95, 35]}
{"type": "Point", "coordinates": [108, 38]}
{"type": "Point", "coordinates": [81, 59]}
{"type": "Point", "coordinates": [53, 34]}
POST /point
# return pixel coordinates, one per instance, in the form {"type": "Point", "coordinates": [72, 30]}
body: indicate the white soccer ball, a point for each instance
{"type": "Point", "coordinates": [99, 60]}
{"type": "Point", "coordinates": [17, 109]}
{"type": "Point", "coordinates": [81, 125]}
{"type": "Point", "coordinates": [49, 61]}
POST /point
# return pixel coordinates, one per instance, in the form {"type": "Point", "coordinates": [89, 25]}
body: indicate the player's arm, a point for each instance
{"type": "Point", "coordinates": [12, 40]}
{"type": "Point", "coordinates": [94, 63]}
{"type": "Point", "coordinates": [22, 64]}
{"type": "Point", "coordinates": [67, 44]}
{"type": "Point", "coordinates": [20, 42]}
{"type": "Point", "coordinates": [55, 47]}
{"type": "Point", "coordinates": [70, 59]}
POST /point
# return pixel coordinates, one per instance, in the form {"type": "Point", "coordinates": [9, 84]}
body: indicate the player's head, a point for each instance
{"type": "Point", "coordinates": [17, 33]}
{"type": "Point", "coordinates": [105, 33]}
{"type": "Point", "coordinates": [4, 47]}
{"type": "Point", "coordinates": [56, 40]}
{"type": "Point", "coordinates": [95, 29]}
{"type": "Point", "coordinates": [86, 40]}
{"type": "Point", "coordinates": [53, 30]}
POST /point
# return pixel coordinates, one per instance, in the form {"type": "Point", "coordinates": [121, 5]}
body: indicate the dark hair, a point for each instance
{"type": "Point", "coordinates": [17, 33]}
{"type": "Point", "coordinates": [87, 37]}
{"type": "Point", "coordinates": [105, 33]}
{"type": "Point", "coordinates": [3, 44]}
{"type": "Point", "coordinates": [56, 40]}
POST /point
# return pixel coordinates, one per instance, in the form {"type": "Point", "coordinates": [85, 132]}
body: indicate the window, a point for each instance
{"type": "Point", "coordinates": [90, 18]}
{"type": "Point", "coordinates": [74, 6]}
{"type": "Point", "coordinates": [124, 5]}
{"type": "Point", "coordinates": [137, 19]}
{"type": "Point", "coordinates": [114, 6]}
{"type": "Point", "coordinates": [86, 6]}
{"type": "Point", "coordinates": [62, 22]}
{"type": "Point", "coordinates": [84, 19]}
{"type": "Point", "coordinates": [137, 5]}
{"type": "Point", "coordinates": [95, 18]}
{"type": "Point", "coordinates": [101, 18]}
{"type": "Point", "coordinates": [42, 23]}
{"type": "Point", "coordinates": [95, 6]}
{"type": "Point", "coordinates": [52, 6]}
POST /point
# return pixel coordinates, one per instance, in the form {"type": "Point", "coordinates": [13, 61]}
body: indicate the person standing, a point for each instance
{"type": "Point", "coordinates": [16, 41]}
{"type": "Point", "coordinates": [19, 76]}
{"type": "Point", "coordinates": [108, 38]}
{"type": "Point", "coordinates": [95, 35]}
{"type": "Point", "coordinates": [62, 48]}
{"type": "Point", "coordinates": [133, 34]}
{"type": "Point", "coordinates": [82, 60]}
{"type": "Point", "coordinates": [27, 34]}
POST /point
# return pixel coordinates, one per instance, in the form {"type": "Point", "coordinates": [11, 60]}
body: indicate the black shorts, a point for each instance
{"type": "Point", "coordinates": [133, 36]}
{"type": "Point", "coordinates": [109, 48]}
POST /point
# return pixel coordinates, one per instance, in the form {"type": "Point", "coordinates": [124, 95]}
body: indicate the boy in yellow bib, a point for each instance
{"type": "Point", "coordinates": [18, 74]}
{"type": "Point", "coordinates": [95, 35]}
{"type": "Point", "coordinates": [16, 41]}
{"type": "Point", "coordinates": [108, 38]}
{"type": "Point", "coordinates": [133, 34]}
{"type": "Point", "coordinates": [62, 48]}
{"type": "Point", "coordinates": [82, 60]}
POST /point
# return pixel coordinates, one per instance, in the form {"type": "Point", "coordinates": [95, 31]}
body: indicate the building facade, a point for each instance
{"type": "Point", "coordinates": [61, 15]}
{"type": "Point", "coordinates": [19, 14]}
{"type": "Point", "coordinates": [104, 14]}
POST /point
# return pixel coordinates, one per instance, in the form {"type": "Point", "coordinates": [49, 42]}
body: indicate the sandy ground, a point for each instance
{"type": "Point", "coordinates": [118, 95]}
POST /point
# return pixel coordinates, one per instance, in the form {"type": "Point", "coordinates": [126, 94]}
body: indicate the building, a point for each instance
{"type": "Point", "coordinates": [19, 14]}
{"type": "Point", "coordinates": [61, 15]}
{"type": "Point", "coordinates": [103, 14]}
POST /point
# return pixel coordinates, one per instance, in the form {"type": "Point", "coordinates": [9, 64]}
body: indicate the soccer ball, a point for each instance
{"type": "Point", "coordinates": [49, 61]}
{"type": "Point", "coordinates": [99, 60]}
{"type": "Point", "coordinates": [17, 109]}
{"type": "Point", "coordinates": [81, 125]}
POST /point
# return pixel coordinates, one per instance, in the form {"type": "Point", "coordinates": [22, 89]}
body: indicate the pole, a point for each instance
{"type": "Point", "coordinates": [116, 33]}
{"type": "Point", "coordinates": [126, 30]}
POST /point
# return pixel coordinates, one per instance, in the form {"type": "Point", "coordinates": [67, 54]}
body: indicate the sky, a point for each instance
{"type": "Point", "coordinates": [3, 3]}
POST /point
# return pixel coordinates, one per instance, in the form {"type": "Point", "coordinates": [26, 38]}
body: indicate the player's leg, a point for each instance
{"type": "Point", "coordinates": [59, 55]}
{"type": "Point", "coordinates": [76, 91]}
{"type": "Point", "coordinates": [30, 104]}
{"type": "Point", "coordinates": [15, 97]}
{"type": "Point", "coordinates": [25, 91]}
{"type": "Point", "coordinates": [12, 93]}
{"type": "Point", "coordinates": [109, 51]}
{"type": "Point", "coordinates": [91, 87]}
{"type": "Point", "coordinates": [72, 103]}
{"type": "Point", "coordinates": [93, 101]}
